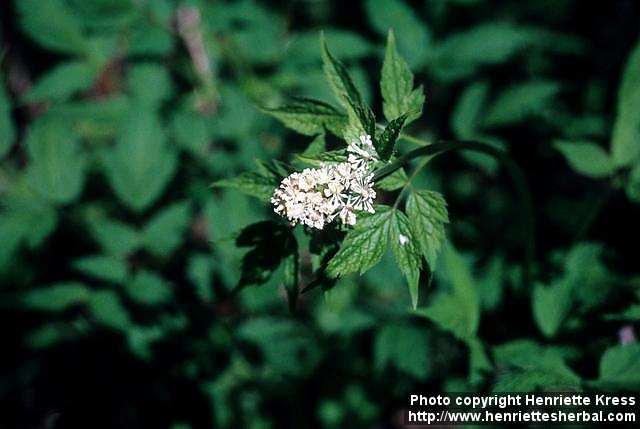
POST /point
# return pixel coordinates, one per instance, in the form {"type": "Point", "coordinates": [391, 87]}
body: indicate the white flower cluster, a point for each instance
{"type": "Point", "coordinates": [316, 196]}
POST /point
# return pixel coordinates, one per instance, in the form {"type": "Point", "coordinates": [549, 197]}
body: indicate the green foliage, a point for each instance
{"type": "Point", "coordinates": [117, 254]}
{"type": "Point", "coordinates": [7, 129]}
{"type": "Point", "coordinates": [62, 82]}
{"type": "Point", "coordinates": [396, 86]}
{"type": "Point", "coordinates": [364, 245]}
{"type": "Point", "coordinates": [57, 167]}
{"type": "Point", "coordinates": [586, 158]}
{"type": "Point", "coordinates": [427, 212]}
{"type": "Point", "coordinates": [309, 117]}
{"type": "Point", "coordinates": [141, 165]}
{"type": "Point", "coordinates": [399, 17]}
{"type": "Point", "coordinates": [457, 309]}
{"type": "Point", "coordinates": [625, 146]}
{"type": "Point", "coordinates": [404, 347]}
{"type": "Point", "coordinates": [619, 367]}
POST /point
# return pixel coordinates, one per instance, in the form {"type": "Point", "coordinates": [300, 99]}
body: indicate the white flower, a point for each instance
{"type": "Point", "coordinates": [347, 215]}
{"type": "Point", "coordinates": [403, 239]}
{"type": "Point", "coordinates": [316, 196]}
{"type": "Point", "coordinates": [363, 193]}
{"type": "Point", "coordinates": [361, 153]}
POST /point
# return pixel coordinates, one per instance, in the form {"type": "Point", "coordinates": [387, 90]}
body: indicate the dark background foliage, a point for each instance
{"type": "Point", "coordinates": [119, 264]}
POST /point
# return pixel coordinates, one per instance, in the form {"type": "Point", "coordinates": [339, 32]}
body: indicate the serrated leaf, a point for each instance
{"type": "Point", "coordinates": [586, 158]}
{"type": "Point", "coordinates": [140, 165]}
{"type": "Point", "coordinates": [535, 380]}
{"type": "Point", "coordinates": [148, 288]}
{"type": "Point", "coordinates": [625, 139]}
{"type": "Point", "coordinates": [364, 245]}
{"type": "Point", "coordinates": [427, 213]}
{"type": "Point", "coordinates": [403, 346]}
{"type": "Point", "coordinates": [310, 117]}
{"type": "Point", "coordinates": [56, 297]}
{"type": "Point", "coordinates": [61, 82]}
{"type": "Point", "coordinates": [329, 157]}
{"type": "Point", "coordinates": [360, 115]}
{"type": "Point", "coordinates": [396, 85]}
{"type": "Point", "coordinates": [387, 141]}
{"type": "Point", "coordinates": [103, 267]}
{"type": "Point", "coordinates": [57, 165]}
{"type": "Point", "coordinates": [338, 78]}
{"type": "Point", "coordinates": [250, 183]}
{"type": "Point", "coordinates": [164, 232]}
{"type": "Point", "coordinates": [406, 251]}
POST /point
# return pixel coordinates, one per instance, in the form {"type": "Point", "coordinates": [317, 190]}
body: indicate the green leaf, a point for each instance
{"type": "Point", "coordinates": [309, 117]}
{"type": "Point", "coordinates": [278, 340]}
{"type": "Point", "coordinates": [338, 78]}
{"type": "Point", "coordinates": [394, 181]}
{"type": "Point", "coordinates": [550, 306]}
{"type": "Point", "coordinates": [114, 237]}
{"type": "Point", "coordinates": [387, 141]}
{"type": "Point", "coordinates": [271, 243]}
{"type": "Point", "coordinates": [103, 267]}
{"type": "Point", "coordinates": [149, 84]}
{"type": "Point", "coordinates": [149, 288]}
{"type": "Point", "coordinates": [519, 102]}
{"type": "Point", "coordinates": [200, 272]}
{"type": "Point", "coordinates": [620, 368]}
{"type": "Point", "coordinates": [633, 185]}
{"type": "Point", "coordinates": [525, 355]}
{"type": "Point", "coordinates": [141, 165]}
{"type": "Point", "coordinates": [403, 346]}
{"type": "Point", "coordinates": [61, 82]}
{"type": "Point", "coordinates": [348, 45]}
{"type": "Point", "coordinates": [625, 139]}
{"type": "Point", "coordinates": [535, 380]}
{"type": "Point", "coordinates": [457, 309]}
{"type": "Point", "coordinates": [586, 158]}
{"type": "Point", "coordinates": [57, 165]}
{"type": "Point", "coordinates": [336, 74]}
{"type": "Point", "coordinates": [190, 130]}
{"type": "Point", "coordinates": [406, 250]}
{"type": "Point", "coordinates": [254, 184]}
{"type": "Point", "coordinates": [56, 297]}
{"type": "Point", "coordinates": [106, 309]}
{"type": "Point", "coordinates": [319, 159]}
{"type": "Point", "coordinates": [427, 212]}
{"type": "Point", "coordinates": [165, 231]}
{"type": "Point", "coordinates": [396, 85]}
{"type": "Point", "coordinates": [364, 245]}
{"type": "Point", "coordinates": [7, 129]}
{"type": "Point", "coordinates": [469, 109]}
{"type": "Point", "coordinates": [413, 34]}
{"type": "Point", "coordinates": [52, 24]}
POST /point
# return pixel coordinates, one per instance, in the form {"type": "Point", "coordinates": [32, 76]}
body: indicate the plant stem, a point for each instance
{"type": "Point", "coordinates": [519, 181]}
